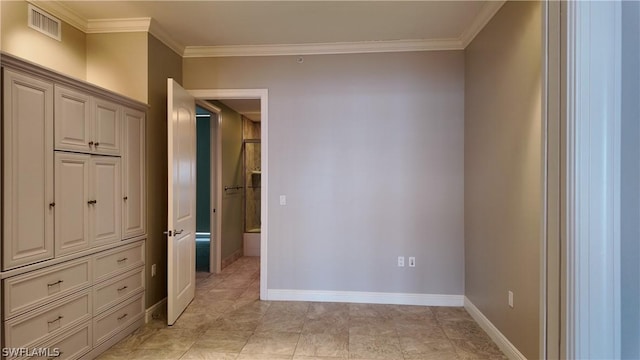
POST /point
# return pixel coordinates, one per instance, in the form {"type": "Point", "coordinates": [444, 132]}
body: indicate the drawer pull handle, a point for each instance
{"type": "Point", "coordinates": [56, 319]}
{"type": "Point", "coordinates": [123, 316]}
{"type": "Point", "coordinates": [122, 260]}
{"type": "Point", "coordinates": [92, 202]}
{"type": "Point", "coordinates": [123, 288]}
{"type": "Point", "coordinates": [55, 283]}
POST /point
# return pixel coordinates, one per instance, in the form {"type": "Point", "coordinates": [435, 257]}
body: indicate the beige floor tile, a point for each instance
{"type": "Point", "coordinates": [223, 341]}
{"type": "Point", "coordinates": [373, 326]}
{"type": "Point", "coordinates": [227, 321]}
{"type": "Point", "coordinates": [207, 354]}
{"type": "Point", "coordinates": [263, 357]}
{"type": "Point", "coordinates": [419, 345]}
{"type": "Point", "coordinates": [322, 310]}
{"type": "Point", "coordinates": [328, 345]}
{"type": "Point", "coordinates": [195, 321]}
{"type": "Point", "coordinates": [134, 340]}
{"type": "Point", "coordinates": [274, 343]}
{"type": "Point", "coordinates": [463, 329]}
{"type": "Point", "coordinates": [371, 310]}
{"type": "Point", "coordinates": [289, 307]}
{"type": "Point", "coordinates": [327, 324]}
{"type": "Point", "coordinates": [374, 347]}
{"type": "Point", "coordinates": [171, 339]}
{"type": "Point", "coordinates": [156, 354]}
{"type": "Point", "coordinates": [281, 322]}
{"type": "Point", "coordinates": [477, 349]}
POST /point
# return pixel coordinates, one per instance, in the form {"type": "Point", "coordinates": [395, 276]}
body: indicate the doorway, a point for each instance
{"type": "Point", "coordinates": [242, 94]}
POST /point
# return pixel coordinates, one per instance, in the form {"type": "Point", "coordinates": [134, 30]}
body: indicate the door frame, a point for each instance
{"type": "Point", "coordinates": [215, 166]}
{"type": "Point", "coordinates": [262, 95]}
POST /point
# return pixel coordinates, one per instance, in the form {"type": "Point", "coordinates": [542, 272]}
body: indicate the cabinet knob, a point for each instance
{"type": "Point", "coordinates": [51, 205]}
{"type": "Point", "coordinates": [125, 198]}
{"type": "Point", "coordinates": [92, 202]}
{"type": "Point", "coordinates": [97, 143]}
{"type": "Point", "coordinates": [90, 143]}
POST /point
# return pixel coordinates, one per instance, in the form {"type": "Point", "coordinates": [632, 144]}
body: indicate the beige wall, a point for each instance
{"type": "Point", "coordinates": [17, 38]}
{"type": "Point", "coordinates": [503, 179]}
{"type": "Point", "coordinates": [232, 200]}
{"type": "Point", "coordinates": [368, 149]}
{"type": "Point", "coordinates": [118, 62]}
{"type": "Point", "coordinates": [163, 63]}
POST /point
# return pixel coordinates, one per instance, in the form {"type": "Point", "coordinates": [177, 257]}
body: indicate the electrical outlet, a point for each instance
{"type": "Point", "coordinates": [510, 299]}
{"type": "Point", "coordinates": [401, 261]}
{"type": "Point", "coordinates": [153, 270]}
{"type": "Point", "coordinates": [412, 261]}
{"type": "Point", "coordinates": [283, 200]}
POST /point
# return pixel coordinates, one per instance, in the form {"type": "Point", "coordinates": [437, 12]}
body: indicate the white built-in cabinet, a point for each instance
{"type": "Point", "coordinates": [28, 199]}
{"type": "Point", "coordinates": [73, 212]}
{"type": "Point", "coordinates": [133, 174]}
{"type": "Point", "coordinates": [86, 123]}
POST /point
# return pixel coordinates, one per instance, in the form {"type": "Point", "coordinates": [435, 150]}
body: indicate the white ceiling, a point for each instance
{"type": "Point", "coordinates": [265, 27]}
{"type": "Point", "coordinates": [189, 25]}
{"type": "Point", "coordinates": [247, 107]}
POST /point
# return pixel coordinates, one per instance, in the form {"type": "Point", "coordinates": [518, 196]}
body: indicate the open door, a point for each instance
{"type": "Point", "coordinates": [181, 232]}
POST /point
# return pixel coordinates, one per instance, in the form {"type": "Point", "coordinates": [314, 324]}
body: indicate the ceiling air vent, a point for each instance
{"type": "Point", "coordinates": [45, 23]}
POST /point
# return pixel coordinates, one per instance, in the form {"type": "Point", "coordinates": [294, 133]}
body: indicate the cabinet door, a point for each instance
{"type": "Point", "coordinates": [73, 120]}
{"type": "Point", "coordinates": [28, 206]}
{"type": "Point", "coordinates": [133, 174]}
{"type": "Point", "coordinates": [106, 198]}
{"type": "Point", "coordinates": [106, 127]}
{"type": "Point", "coordinates": [72, 207]}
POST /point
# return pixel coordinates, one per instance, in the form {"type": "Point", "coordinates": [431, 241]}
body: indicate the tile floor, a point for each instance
{"type": "Point", "coordinates": [227, 321]}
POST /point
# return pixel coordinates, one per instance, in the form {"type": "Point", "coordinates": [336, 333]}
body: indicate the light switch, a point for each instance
{"type": "Point", "coordinates": [283, 199]}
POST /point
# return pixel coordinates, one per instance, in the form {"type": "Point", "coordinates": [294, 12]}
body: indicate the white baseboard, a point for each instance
{"type": "Point", "coordinates": [153, 308]}
{"type": "Point", "coordinates": [503, 343]}
{"type": "Point", "coordinates": [366, 297]}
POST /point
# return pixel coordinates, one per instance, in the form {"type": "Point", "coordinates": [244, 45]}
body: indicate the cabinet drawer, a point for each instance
{"type": "Point", "coordinates": [112, 291]}
{"type": "Point", "coordinates": [34, 326]}
{"type": "Point", "coordinates": [113, 262]}
{"type": "Point", "coordinates": [27, 291]}
{"type": "Point", "coordinates": [70, 345]}
{"type": "Point", "coordinates": [114, 320]}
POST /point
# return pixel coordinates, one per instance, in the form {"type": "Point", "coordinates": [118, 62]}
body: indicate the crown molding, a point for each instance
{"type": "Point", "coordinates": [161, 34]}
{"type": "Point", "coordinates": [489, 9]}
{"type": "Point", "coordinates": [63, 12]}
{"type": "Point", "coordinates": [322, 48]}
{"type": "Point", "coordinates": [101, 26]}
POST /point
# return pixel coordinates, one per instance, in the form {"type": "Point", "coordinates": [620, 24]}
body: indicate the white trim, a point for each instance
{"type": "Point", "coordinates": [102, 26]}
{"type": "Point", "coordinates": [503, 343]}
{"type": "Point", "coordinates": [263, 95]}
{"type": "Point", "coordinates": [323, 48]}
{"type": "Point", "coordinates": [489, 9]}
{"type": "Point", "coordinates": [148, 314]}
{"type": "Point", "coordinates": [163, 36]}
{"type": "Point", "coordinates": [592, 199]}
{"type": "Point", "coordinates": [365, 297]}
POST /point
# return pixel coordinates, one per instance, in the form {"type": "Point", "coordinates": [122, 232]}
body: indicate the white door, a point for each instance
{"type": "Point", "coordinates": [181, 248]}
{"type": "Point", "coordinates": [72, 197]}
{"type": "Point", "coordinates": [105, 192]}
